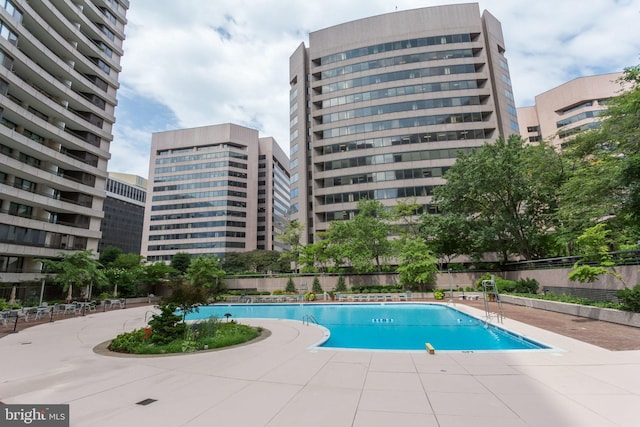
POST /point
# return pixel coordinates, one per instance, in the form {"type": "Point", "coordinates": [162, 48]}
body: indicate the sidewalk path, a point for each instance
{"type": "Point", "coordinates": [284, 381]}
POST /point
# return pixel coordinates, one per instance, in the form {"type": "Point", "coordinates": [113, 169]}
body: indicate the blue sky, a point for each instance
{"type": "Point", "coordinates": [203, 62]}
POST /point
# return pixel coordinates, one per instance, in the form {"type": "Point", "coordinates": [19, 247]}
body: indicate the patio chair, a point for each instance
{"type": "Point", "coordinates": [4, 318]}
{"type": "Point", "coordinates": [44, 310]}
{"type": "Point", "coordinates": [69, 309]}
{"type": "Point", "coordinates": [57, 309]}
{"type": "Point", "coordinates": [30, 312]}
{"type": "Point", "coordinates": [18, 313]}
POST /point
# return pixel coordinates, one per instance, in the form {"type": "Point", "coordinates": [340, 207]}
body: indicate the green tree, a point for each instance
{"type": "Point", "coordinates": [202, 280]}
{"type": "Point", "coordinates": [180, 262]}
{"type": "Point", "coordinates": [406, 214]}
{"type": "Point", "coordinates": [77, 268]}
{"type": "Point", "coordinates": [595, 245]}
{"type": "Point", "coordinates": [417, 266]}
{"type": "Point", "coordinates": [166, 326]}
{"type": "Point", "coordinates": [448, 235]}
{"type": "Point", "coordinates": [155, 274]}
{"type": "Point", "coordinates": [125, 273]}
{"type": "Point", "coordinates": [291, 238]}
{"type": "Point", "coordinates": [604, 172]}
{"type": "Point", "coordinates": [205, 272]}
{"type": "Point", "coordinates": [362, 240]}
{"type": "Point", "coordinates": [120, 279]}
{"type": "Point", "coordinates": [109, 254]}
{"type": "Point", "coordinates": [506, 192]}
{"type": "Point", "coordinates": [233, 262]}
{"type": "Point", "coordinates": [186, 296]}
{"type": "Point", "coordinates": [321, 255]}
{"type": "Point", "coordinates": [264, 261]}
{"type": "Point", "coordinates": [290, 287]}
{"type": "Point", "coordinates": [316, 288]}
{"type": "Point", "coordinates": [259, 260]}
{"type": "Point", "coordinates": [128, 261]}
{"type": "Point", "coordinates": [341, 286]}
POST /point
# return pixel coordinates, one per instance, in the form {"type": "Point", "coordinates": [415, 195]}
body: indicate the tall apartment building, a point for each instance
{"type": "Point", "coordinates": [213, 190]}
{"type": "Point", "coordinates": [60, 62]}
{"type": "Point", "coordinates": [380, 107]}
{"type": "Point", "coordinates": [567, 109]}
{"type": "Point", "coordinates": [123, 212]}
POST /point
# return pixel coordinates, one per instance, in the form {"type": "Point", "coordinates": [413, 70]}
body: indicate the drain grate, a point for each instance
{"type": "Point", "coordinates": [146, 402]}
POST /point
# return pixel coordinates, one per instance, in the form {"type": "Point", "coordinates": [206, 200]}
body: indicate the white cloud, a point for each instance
{"type": "Point", "coordinates": [228, 60]}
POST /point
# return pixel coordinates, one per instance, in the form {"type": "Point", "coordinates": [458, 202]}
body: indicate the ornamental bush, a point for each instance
{"type": "Point", "coordinates": [630, 299]}
{"type": "Point", "coordinates": [291, 286]}
{"type": "Point", "coordinates": [167, 326]}
{"type": "Point", "coordinates": [315, 287]}
{"type": "Point", "coordinates": [128, 341]}
{"type": "Point", "coordinates": [526, 286]}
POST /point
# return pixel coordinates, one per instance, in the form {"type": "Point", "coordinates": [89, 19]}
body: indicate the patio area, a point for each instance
{"type": "Point", "coordinates": [284, 381]}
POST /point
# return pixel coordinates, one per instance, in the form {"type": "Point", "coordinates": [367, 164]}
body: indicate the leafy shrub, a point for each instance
{"type": "Point", "coordinates": [341, 285]}
{"type": "Point", "coordinates": [128, 342]}
{"type": "Point", "coordinates": [189, 346]}
{"type": "Point", "coordinates": [573, 300]}
{"type": "Point", "coordinates": [630, 299]}
{"type": "Point", "coordinates": [231, 334]}
{"type": "Point", "coordinates": [208, 327]}
{"type": "Point", "coordinates": [509, 286]}
{"type": "Point", "coordinates": [526, 286]}
{"type": "Point", "coordinates": [505, 286]}
{"type": "Point", "coordinates": [104, 295]}
{"type": "Point", "coordinates": [478, 283]}
{"type": "Point", "coordinates": [438, 294]}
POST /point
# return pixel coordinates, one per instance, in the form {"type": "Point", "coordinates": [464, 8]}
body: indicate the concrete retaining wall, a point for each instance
{"type": "Point", "coordinates": [596, 313]}
{"type": "Point", "coordinates": [556, 278]}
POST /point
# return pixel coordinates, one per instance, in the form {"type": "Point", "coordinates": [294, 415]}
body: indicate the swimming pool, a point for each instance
{"type": "Point", "coordinates": [401, 326]}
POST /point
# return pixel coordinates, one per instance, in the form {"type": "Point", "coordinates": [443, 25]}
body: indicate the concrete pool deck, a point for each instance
{"type": "Point", "coordinates": [284, 381]}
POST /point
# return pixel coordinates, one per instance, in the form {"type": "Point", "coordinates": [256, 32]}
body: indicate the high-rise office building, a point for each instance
{"type": "Point", "coordinates": [273, 195]}
{"type": "Point", "coordinates": [380, 107]}
{"type": "Point", "coordinates": [60, 62]}
{"type": "Point", "coordinates": [123, 212]}
{"type": "Point", "coordinates": [565, 110]}
{"type": "Point", "coordinates": [214, 190]}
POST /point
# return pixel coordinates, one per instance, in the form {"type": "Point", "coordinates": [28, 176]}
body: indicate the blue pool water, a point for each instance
{"type": "Point", "coordinates": [385, 326]}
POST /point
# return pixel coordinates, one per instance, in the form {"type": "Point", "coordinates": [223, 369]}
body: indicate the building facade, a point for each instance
{"type": "Point", "coordinates": [213, 190]}
{"type": "Point", "coordinates": [565, 110]}
{"type": "Point", "coordinates": [123, 212]}
{"type": "Point", "coordinates": [273, 195]}
{"type": "Point", "coordinates": [60, 62]}
{"type": "Point", "coordinates": [380, 107]}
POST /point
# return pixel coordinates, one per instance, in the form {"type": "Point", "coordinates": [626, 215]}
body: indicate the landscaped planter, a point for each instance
{"type": "Point", "coordinates": [606, 314]}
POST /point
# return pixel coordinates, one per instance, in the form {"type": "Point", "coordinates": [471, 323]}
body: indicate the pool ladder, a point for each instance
{"type": "Point", "coordinates": [308, 319]}
{"type": "Point", "coordinates": [491, 294]}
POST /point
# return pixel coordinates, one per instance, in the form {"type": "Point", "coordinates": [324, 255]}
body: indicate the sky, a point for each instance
{"type": "Point", "coordinates": [197, 63]}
